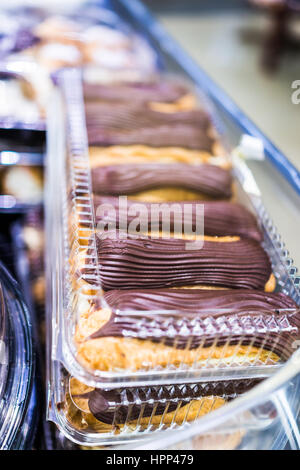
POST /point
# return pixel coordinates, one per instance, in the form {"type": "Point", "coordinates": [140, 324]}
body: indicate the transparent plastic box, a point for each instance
{"type": "Point", "coordinates": [265, 417]}
{"type": "Point", "coordinates": [134, 414]}
{"type": "Point", "coordinates": [254, 415]}
{"type": "Point", "coordinates": [72, 219]}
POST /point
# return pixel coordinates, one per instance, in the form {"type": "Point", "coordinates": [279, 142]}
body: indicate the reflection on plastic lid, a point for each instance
{"type": "Point", "coordinates": [7, 201]}
{"type": "Point", "coordinates": [9, 158]}
{"type": "Point", "coordinates": [3, 358]}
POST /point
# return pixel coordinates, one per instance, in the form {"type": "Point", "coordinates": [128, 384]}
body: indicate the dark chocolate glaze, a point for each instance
{"type": "Point", "coordinates": [123, 116]}
{"type": "Point", "coordinates": [132, 117]}
{"type": "Point", "coordinates": [198, 302]}
{"type": "Point", "coordinates": [178, 317]}
{"type": "Point", "coordinates": [128, 179]}
{"type": "Point", "coordinates": [141, 262]}
{"type": "Point", "coordinates": [188, 319]}
{"type": "Point", "coordinates": [160, 91]}
{"type": "Point", "coordinates": [221, 218]}
{"type": "Point", "coordinates": [124, 405]}
{"type": "Point", "coordinates": [177, 135]}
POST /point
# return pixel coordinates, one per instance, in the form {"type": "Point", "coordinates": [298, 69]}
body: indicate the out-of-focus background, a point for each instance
{"type": "Point", "coordinates": [252, 50]}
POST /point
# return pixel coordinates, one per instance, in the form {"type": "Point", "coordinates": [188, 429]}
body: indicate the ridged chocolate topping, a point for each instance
{"type": "Point", "coordinates": [134, 263]}
{"type": "Point", "coordinates": [198, 301]}
{"type": "Point", "coordinates": [162, 91]}
{"type": "Point", "coordinates": [128, 179]}
{"type": "Point", "coordinates": [186, 307]}
{"type": "Point", "coordinates": [185, 318]}
{"type": "Point", "coordinates": [125, 405]}
{"type": "Point", "coordinates": [221, 218]}
{"type": "Point", "coordinates": [172, 134]}
{"type": "Point", "coordinates": [101, 116]}
{"type": "Point", "coordinates": [126, 118]}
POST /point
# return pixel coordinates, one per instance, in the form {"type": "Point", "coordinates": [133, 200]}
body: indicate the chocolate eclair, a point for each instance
{"type": "Point", "coordinates": [165, 91]}
{"type": "Point", "coordinates": [178, 134]}
{"type": "Point", "coordinates": [210, 180]}
{"type": "Point", "coordinates": [221, 218]}
{"type": "Point", "coordinates": [118, 120]}
{"type": "Point", "coordinates": [199, 302]}
{"type": "Point", "coordinates": [81, 416]}
{"type": "Point", "coordinates": [150, 405]}
{"type": "Point", "coordinates": [188, 309]}
{"type": "Point", "coordinates": [134, 261]}
{"type": "Point", "coordinates": [148, 328]}
{"type": "Point", "coordinates": [132, 116]}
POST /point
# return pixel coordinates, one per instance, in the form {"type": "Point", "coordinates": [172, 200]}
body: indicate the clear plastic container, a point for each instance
{"type": "Point", "coordinates": [260, 418]}
{"type": "Point", "coordinates": [96, 417]}
{"type": "Point", "coordinates": [71, 212]}
{"type": "Point", "coordinates": [265, 418]}
{"type": "Point", "coordinates": [17, 402]}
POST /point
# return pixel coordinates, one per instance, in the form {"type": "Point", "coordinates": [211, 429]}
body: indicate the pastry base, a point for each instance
{"type": "Point", "coordinates": [121, 154]}
{"type": "Point", "coordinates": [115, 354]}
{"type": "Point", "coordinates": [187, 102]}
{"type": "Point", "coordinates": [110, 353]}
{"type": "Point", "coordinates": [168, 194]}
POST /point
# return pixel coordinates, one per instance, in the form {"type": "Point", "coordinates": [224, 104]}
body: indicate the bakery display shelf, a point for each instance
{"type": "Point", "coordinates": [9, 205]}
{"type": "Point", "coordinates": [10, 157]}
{"type": "Point", "coordinates": [8, 123]}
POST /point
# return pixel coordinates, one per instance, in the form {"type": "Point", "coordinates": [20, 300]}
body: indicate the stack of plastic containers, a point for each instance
{"type": "Point", "coordinates": [124, 367]}
{"type": "Point", "coordinates": [106, 390]}
{"type": "Point", "coordinates": [18, 408]}
{"type": "Point", "coordinates": [134, 358]}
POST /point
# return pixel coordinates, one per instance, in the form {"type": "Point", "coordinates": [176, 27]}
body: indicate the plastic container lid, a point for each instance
{"type": "Point", "coordinates": [16, 364]}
